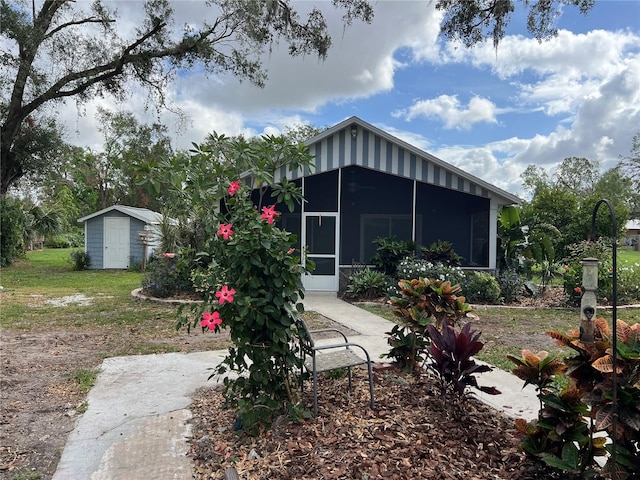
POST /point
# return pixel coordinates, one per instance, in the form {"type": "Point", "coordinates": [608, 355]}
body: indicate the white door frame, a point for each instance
{"type": "Point", "coordinates": [315, 282]}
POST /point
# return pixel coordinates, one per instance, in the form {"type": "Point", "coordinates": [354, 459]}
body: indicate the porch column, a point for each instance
{"type": "Point", "coordinates": [493, 233]}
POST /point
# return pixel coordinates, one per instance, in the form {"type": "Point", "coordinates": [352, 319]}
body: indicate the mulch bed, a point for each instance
{"type": "Point", "coordinates": [412, 433]}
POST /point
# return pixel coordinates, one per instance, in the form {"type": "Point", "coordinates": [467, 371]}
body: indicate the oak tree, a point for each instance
{"type": "Point", "coordinates": [64, 49]}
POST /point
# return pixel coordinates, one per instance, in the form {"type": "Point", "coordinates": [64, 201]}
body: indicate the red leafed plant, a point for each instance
{"type": "Point", "coordinates": [451, 355]}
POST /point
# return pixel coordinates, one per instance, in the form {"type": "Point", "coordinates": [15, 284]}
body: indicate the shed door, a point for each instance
{"type": "Point", "coordinates": [116, 242]}
{"type": "Point", "coordinates": [320, 236]}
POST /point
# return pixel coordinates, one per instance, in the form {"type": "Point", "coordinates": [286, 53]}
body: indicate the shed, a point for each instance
{"type": "Point", "coordinates": [112, 236]}
{"type": "Point", "coordinates": [367, 184]}
{"type": "Point", "coordinates": [632, 236]}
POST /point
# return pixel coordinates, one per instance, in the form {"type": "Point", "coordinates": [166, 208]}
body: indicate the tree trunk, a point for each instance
{"type": "Point", "coordinates": [10, 170]}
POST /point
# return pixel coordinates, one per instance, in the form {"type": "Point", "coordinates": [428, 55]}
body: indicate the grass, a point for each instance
{"type": "Point", "coordinates": [31, 284]}
{"type": "Point", "coordinates": [627, 257]}
{"type": "Point", "coordinates": [34, 287]}
{"type": "Point", "coordinates": [509, 330]}
{"type": "Point", "coordinates": [85, 378]}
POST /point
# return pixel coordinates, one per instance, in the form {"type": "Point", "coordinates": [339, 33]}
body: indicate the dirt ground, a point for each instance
{"type": "Point", "coordinates": [39, 399]}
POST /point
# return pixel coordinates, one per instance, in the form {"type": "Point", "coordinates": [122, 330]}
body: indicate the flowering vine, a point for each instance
{"type": "Point", "coordinates": [252, 285]}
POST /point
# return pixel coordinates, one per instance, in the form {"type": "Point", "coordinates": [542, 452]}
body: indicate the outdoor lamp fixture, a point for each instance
{"type": "Point", "coordinates": [589, 299]}
{"type": "Point", "coordinates": [354, 131]}
{"type": "Point", "coordinates": [146, 237]}
{"type": "Point", "coordinates": [614, 320]}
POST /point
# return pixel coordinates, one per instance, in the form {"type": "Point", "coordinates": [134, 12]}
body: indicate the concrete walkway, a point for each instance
{"type": "Point", "coordinates": [136, 425]}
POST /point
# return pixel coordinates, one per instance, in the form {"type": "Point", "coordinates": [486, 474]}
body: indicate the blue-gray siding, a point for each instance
{"type": "Point", "coordinates": [94, 241]}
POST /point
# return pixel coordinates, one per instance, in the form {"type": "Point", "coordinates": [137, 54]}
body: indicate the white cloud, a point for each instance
{"type": "Point", "coordinates": [448, 109]}
{"type": "Point", "coordinates": [586, 85]}
{"type": "Point", "coordinates": [483, 163]}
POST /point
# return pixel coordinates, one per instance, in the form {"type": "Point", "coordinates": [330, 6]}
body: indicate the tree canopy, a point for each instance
{"type": "Point", "coordinates": [567, 196]}
{"type": "Point", "coordinates": [60, 49]}
{"type": "Point", "coordinates": [473, 21]}
{"type": "Point", "coordinates": [66, 49]}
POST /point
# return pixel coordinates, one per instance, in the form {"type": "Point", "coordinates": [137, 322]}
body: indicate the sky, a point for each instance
{"type": "Point", "coordinates": [489, 112]}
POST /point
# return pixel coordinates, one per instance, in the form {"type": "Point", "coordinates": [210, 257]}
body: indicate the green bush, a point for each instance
{"type": "Point", "coordinates": [11, 230]}
{"type": "Point", "coordinates": [367, 284]}
{"type": "Point", "coordinates": [167, 275]}
{"type": "Point", "coordinates": [441, 252]}
{"type": "Point", "coordinates": [410, 268]}
{"type": "Point", "coordinates": [252, 283]}
{"type": "Point", "coordinates": [510, 282]}
{"type": "Point", "coordinates": [481, 287]}
{"type": "Point", "coordinates": [80, 260]}
{"type": "Point", "coordinates": [629, 283]}
{"type": "Point", "coordinates": [65, 240]}
{"type": "Point", "coordinates": [572, 278]}
{"type": "Point", "coordinates": [389, 253]}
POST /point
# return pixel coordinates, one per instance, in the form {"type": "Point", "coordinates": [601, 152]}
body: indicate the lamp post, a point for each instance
{"type": "Point", "coordinates": [145, 238]}
{"type": "Point", "coordinates": [589, 299]}
{"type": "Point", "coordinates": [614, 320]}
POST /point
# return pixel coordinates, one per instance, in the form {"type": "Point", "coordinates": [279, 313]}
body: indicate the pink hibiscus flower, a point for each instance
{"type": "Point", "coordinates": [234, 187]}
{"type": "Point", "coordinates": [210, 320]}
{"type": "Point", "coordinates": [269, 213]}
{"type": "Point", "coordinates": [225, 295]}
{"type": "Point", "coordinates": [225, 231]}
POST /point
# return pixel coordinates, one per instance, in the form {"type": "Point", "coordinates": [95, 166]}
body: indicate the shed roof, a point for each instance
{"type": "Point", "coordinates": [373, 148]}
{"type": "Point", "coordinates": [633, 225]}
{"type": "Point", "coordinates": [143, 214]}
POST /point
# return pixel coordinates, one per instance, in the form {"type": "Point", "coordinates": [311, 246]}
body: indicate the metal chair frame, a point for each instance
{"type": "Point", "coordinates": [334, 356]}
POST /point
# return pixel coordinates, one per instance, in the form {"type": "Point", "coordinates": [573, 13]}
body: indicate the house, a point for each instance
{"type": "Point", "coordinates": [368, 184]}
{"type": "Point", "coordinates": [632, 236]}
{"type": "Point", "coordinates": [113, 237]}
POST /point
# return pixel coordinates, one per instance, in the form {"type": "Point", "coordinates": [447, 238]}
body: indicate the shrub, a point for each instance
{"type": "Point", "coordinates": [252, 284]}
{"type": "Point", "coordinates": [12, 227]}
{"type": "Point", "coordinates": [510, 283]}
{"type": "Point", "coordinates": [410, 268]}
{"type": "Point", "coordinates": [80, 260]}
{"type": "Point", "coordinates": [389, 253]}
{"type": "Point", "coordinates": [441, 252]}
{"type": "Point", "coordinates": [481, 287]}
{"type": "Point", "coordinates": [567, 433]}
{"type": "Point", "coordinates": [366, 284]}
{"type": "Point", "coordinates": [421, 302]}
{"type": "Point", "coordinates": [452, 362]}
{"type": "Point", "coordinates": [65, 240]}
{"type": "Point", "coordinates": [629, 283]}
{"type": "Point", "coordinates": [167, 275]}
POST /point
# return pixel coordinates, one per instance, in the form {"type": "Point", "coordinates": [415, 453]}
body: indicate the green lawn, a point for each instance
{"type": "Point", "coordinates": [628, 257]}
{"type": "Point", "coordinates": [45, 275]}
{"type": "Point", "coordinates": [509, 330]}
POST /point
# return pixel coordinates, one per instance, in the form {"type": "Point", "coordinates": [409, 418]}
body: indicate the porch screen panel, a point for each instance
{"type": "Point", "coordinates": [374, 204]}
{"type": "Point", "coordinates": [321, 192]}
{"type": "Point", "coordinates": [480, 238]}
{"type": "Point", "coordinates": [456, 217]}
{"type": "Point", "coordinates": [289, 221]}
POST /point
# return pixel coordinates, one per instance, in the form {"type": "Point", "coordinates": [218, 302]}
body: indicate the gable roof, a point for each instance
{"type": "Point", "coordinates": [143, 214]}
{"type": "Point", "coordinates": [356, 142]}
{"type": "Point", "coordinates": [633, 225]}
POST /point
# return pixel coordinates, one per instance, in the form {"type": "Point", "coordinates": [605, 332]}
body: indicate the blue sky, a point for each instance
{"type": "Point", "coordinates": [489, 112]}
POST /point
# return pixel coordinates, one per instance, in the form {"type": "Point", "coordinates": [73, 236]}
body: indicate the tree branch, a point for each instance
{"type": "Point", "coordinates": [77, 22]}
